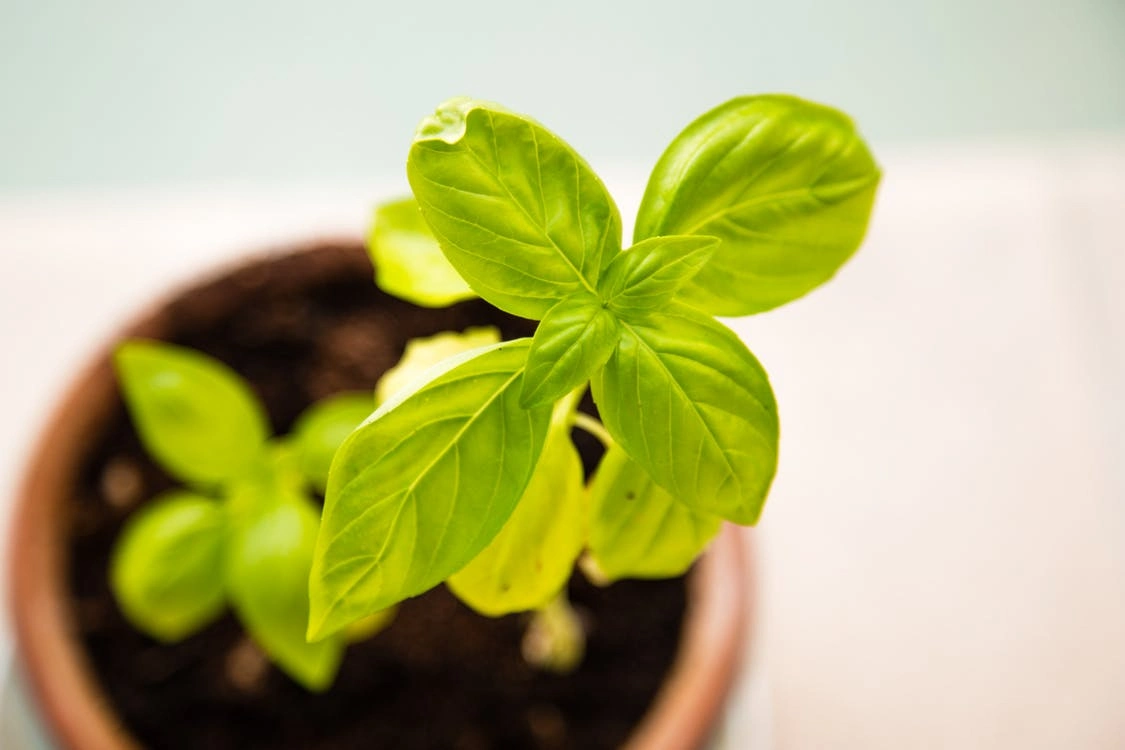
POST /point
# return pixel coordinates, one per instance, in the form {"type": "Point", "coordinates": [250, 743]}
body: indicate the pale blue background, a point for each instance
{"type": "Point", "coordinates": [138, 92]}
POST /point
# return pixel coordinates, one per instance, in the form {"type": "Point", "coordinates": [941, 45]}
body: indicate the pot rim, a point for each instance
{"type": "Point", "coordinates": [66, 693]}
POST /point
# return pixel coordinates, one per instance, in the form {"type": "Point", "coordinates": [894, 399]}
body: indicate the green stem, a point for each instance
{"type": "Point", "coordinates": [586, 423]}
{"type": "Point", "coordinates": [555, 639]}
{"type": "Point", "coordinates": [567, 407]}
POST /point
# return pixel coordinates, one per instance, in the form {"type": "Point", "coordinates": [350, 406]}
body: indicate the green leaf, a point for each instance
{"type": "Point", "coordinates": [646, 276]}
{"type": "Point", "coordinates": [531, 559]}
{"type": "Point", "coordinates": [786, 184]}
{"type": "Point", "coordinates": [408, 260]}
{"type": "Point", "coordinates": [369, 626]}
{"type": "Point", "coordinates": [637, 530]}
{"type": "Point", "coordinates": [323, 427]}
{"type": "Point", "coordinates": [267, 576]}
{"type": "Point", "coordinates": [423, 353]}
{"type": "Point", "coordinates": [195, 415]}
{"type": "Point", "coordinates": [573, 340]}
{"type": "Point", "coordinates": [518, 213]}
{"type": "Point", "coordinates": [689, 403]}
{"type": "Point", "coordinates": [167, 564]}
{"type": "Point", "coordinates": [424, 486]}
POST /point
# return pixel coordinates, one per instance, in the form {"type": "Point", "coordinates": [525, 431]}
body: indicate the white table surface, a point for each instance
{"type": "Point", "coordinates": [942, 562]}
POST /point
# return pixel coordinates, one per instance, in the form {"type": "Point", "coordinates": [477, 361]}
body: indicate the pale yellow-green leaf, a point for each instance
{"type": "Point", "coordinates": [531, 559]}
{"type": "Point", "coordinates": [423, 353]}
{"type": "Point", "coordinates": [637, 530]}
{"type": "Point", "coordinates": [408, 260]}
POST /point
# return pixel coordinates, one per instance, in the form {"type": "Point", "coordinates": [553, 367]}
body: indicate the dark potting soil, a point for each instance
{"type": "Point", "coordinates": [440, 676]}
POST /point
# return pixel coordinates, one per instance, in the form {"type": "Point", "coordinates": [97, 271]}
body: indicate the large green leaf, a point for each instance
{"type": "Point", "coordinates": [689, 403]}
{"type": "Point", "coordinates": [167, 566]}
{"type": "Point", "coordinates": [423, 353]}
{"type": "Point", "coordinates": [518, 213]}
{"type": "Point", "coordinates": [424, 486]}
{"type": "Point", "coordinates": [637, 530]}
{"type": "Point", "coordinates": [573, 340]}
{"type": "Point", "coordinates": [648, 275]}
{"type": "Point", "coordinates": [322, 428]}
{"type": "Point", "coordinates": [531, 559]}
{"type": "Point", "coordinates": [195, 415]}
{"type": "Point", "coordinates": [408, 260]}
{"type": "Point", "coordinates": [786, 184]}
{"type": "Point", "coordinates": [267, 576]}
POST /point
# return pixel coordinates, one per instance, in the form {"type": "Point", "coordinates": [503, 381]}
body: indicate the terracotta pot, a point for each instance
{"type": "Point", "coordinates": [62, 683]}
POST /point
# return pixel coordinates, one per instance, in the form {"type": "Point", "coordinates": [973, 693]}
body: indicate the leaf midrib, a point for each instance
{"type": "Point", "coordinates": [495, 175]}
{"type": "Point", "coordinates": [702, 419]}
{"type": "Point", "coordinates": [407, 493]}
{"type": "Point", "coordinates": [807, 191]}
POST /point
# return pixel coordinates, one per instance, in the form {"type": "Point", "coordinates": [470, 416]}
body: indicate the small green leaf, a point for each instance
{"type": "Point", "coordinates": [267, 576]}
{"type": "Point", "coordinates": [531, 559]}
{"type": "Point", "coordinates": [689, 403]}
{"type": "Point", "coordinates": [646, 276]}
{"type": "Point", "coordinates": [424, 486]}
{"type": "Point", "coordinates": [195, 415]}
{"type": "Point", "coordinates": [167, 565]}
{"type": "Point", "coordinates": [573, 340]}
{"type": "Point", "coordinates": [518, 213]}
{"type": "Point", "coordinates": [786, 184]}
{"type": "Point", "coordinates": [408, 260]}
{"type": "Point", "coordinates": [637, 530]}
{"type": "Point", "coordinates": [422, 354]}
{"type": "Point", "coordinates": [323, 427]}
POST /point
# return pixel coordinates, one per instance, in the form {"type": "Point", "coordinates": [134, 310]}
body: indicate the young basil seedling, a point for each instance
{"type": "Point", "coordinates": [244, 533]}
{"type": "Point", "coordinates": [469, 476]}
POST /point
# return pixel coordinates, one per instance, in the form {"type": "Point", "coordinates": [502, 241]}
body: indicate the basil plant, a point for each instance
{"type": "Point", "coordinates": [466, 472]}
{"type": "Point", "coordinates": [242, 531]}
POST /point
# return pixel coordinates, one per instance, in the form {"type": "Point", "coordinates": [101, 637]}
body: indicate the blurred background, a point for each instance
{"type": "Point", "coordinates": [125, 93]}
{"type": "Point", "coordinates": [942, 560]}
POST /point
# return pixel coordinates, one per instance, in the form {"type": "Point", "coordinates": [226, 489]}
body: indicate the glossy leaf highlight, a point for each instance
{"type": "Point", "coordinates": [424, 486]}
{"type": "Point", "coordinates": [786, 184]}
{"type": "Point", "coordinates": [519, 214]}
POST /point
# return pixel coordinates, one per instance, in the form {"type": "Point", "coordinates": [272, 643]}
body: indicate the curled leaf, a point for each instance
{"type": "Point", "coordinates": [517, 211]}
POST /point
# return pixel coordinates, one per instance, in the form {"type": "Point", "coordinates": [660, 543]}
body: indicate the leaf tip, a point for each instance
{"type": "Point", "coordinates": [319, 627]}
{"type": "Point", "coordinates": [128, 353]}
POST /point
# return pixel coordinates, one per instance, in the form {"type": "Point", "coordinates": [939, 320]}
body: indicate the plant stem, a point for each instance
{"type": "Point", "coordinates": [555, 639]}
{"type": "Point", "coordinates": [586, 423]}
{"type": "Point", "coordinates": [567, 406]}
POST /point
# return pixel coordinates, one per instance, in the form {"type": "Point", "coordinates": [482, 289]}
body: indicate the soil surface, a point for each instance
{"type": "Point", "coordinates": [440, 676]}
